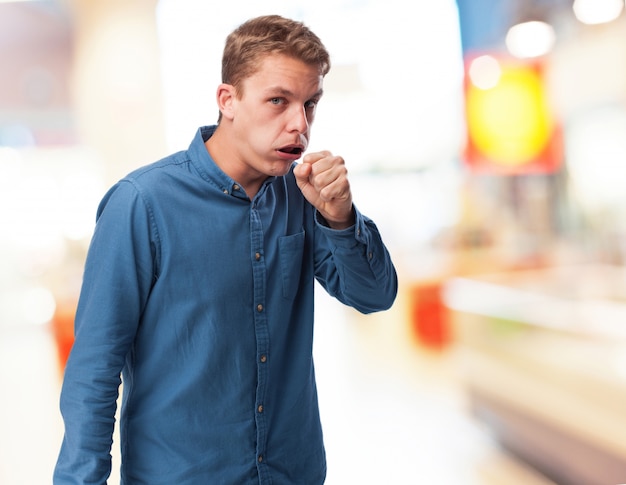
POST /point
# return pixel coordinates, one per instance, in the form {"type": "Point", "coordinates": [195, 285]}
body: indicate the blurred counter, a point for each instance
{"type": "Point", "coordinates": [542, 354]}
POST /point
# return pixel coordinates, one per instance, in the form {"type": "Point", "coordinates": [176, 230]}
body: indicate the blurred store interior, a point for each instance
{"type": "Point", "coordinates": [487, 139]}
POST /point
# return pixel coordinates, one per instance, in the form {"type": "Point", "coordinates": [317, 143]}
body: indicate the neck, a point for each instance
{"type": "Point", "coordinates": [219, 147]}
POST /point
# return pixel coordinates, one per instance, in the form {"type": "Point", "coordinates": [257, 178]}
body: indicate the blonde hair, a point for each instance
{"type": "Point", "coordinates": [271, 34]}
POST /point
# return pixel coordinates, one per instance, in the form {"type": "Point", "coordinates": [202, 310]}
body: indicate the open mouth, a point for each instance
{"type": "Point", "coordinates": [291, 150]}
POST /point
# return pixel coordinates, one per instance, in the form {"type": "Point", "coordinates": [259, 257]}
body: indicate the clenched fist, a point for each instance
{"type": "Point", "coordinates": [323, 180]}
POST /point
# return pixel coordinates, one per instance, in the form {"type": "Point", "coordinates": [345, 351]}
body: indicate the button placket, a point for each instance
{"type": "Point", "coordinates": [261, 331]}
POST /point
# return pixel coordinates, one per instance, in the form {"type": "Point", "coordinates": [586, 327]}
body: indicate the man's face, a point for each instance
{"type": "Point", "coordinates": [272, 118]}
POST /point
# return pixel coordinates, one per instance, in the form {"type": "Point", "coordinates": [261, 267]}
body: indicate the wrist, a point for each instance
{"type": "Point", "coordinates": [338, 225]}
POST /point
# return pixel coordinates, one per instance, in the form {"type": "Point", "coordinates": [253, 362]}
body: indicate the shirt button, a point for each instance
{"type": "Point", "coordinates": [259, 308]}
{"type": "Point", "coordinates": [225, 191]}
{"type": "Point", "coordinates": [257, 256]}
{"type": "Point", "coordinates": [236, 187]}
{"type": "Point", "coordinates": [370, 255]}
{"type": "Point", "coordinates": [260, 408]}
{"type": "Point", "coordinates": [263, 359]}
{"type": "Point", "coordinates": [260, 458]}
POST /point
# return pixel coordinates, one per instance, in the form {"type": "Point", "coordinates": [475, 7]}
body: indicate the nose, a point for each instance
{"type": "Point", "coordinates": [298, 120]}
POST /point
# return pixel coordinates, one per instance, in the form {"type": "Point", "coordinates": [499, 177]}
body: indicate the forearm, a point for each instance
{"type": "Point", "coordinates": [359, 270]}
{"type": "Point", "coordinates": [89, 416]}
{"type": "Point", "coordinates": [91, 386]}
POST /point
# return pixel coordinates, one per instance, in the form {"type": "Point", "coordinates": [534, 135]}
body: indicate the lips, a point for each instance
{"type": "Point", "coordinates": [290, 152]}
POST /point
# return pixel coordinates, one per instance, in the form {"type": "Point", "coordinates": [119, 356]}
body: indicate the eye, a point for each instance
{"type": "Point", "coordinates": [311, 104]}
{"type": "Point", "coordinates": [277, 101]}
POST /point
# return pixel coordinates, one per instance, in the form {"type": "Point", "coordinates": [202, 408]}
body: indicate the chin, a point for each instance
{"type": "Point", "coordinates": [280, 169]}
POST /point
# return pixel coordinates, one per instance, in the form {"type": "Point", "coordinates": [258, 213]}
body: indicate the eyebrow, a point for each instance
{"type": "Point", "coordinates": [287, 93]}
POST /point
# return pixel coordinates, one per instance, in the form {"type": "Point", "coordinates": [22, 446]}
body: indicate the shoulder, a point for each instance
{"type": "Point", "coordinates": [155, 170]}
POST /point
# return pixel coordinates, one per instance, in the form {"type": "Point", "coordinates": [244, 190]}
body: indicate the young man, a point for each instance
{"type": "Point", "coordinates": [198, 288]}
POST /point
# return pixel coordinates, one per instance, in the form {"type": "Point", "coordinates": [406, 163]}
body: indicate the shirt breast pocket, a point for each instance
{"type": "Point", "coordinates": [291, 250]}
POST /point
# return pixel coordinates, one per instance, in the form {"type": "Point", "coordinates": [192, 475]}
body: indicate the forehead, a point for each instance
{"type": "Point", "coordinates": [281, 73]}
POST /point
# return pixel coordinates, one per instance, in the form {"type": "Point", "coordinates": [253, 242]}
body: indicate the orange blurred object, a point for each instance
{"type": "Point", "coordinates": [429, 316]}
{"type": "Point", "coordinates": [63, 330]}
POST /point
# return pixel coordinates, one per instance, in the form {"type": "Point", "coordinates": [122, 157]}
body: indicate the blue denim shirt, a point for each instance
{"type": "Point", "coordinates": [202, 300]}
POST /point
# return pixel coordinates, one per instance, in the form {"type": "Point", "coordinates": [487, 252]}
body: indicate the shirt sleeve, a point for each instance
{"type": "Point", "coordinates": [118, 275]}
{"type": "Point", "coordinates": [354, 265]}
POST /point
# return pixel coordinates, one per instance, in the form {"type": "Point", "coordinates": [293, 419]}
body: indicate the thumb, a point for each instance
{"type": "Point", "coordinates": [302, 171]}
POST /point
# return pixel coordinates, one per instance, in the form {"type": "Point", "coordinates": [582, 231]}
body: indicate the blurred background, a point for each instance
{"type": "Point", "coordinates": [487, 139]}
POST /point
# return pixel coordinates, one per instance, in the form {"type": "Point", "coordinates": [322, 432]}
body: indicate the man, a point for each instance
{"type": "Point", "coordinates": [198, 288]}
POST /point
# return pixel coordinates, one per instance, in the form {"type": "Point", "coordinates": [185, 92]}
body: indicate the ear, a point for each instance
{"type": "Point", "coordinates": [225, 100]}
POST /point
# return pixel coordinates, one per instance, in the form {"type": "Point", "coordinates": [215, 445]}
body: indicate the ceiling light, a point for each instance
{"type": "Point", "coordinates": [597, 11]}
{"type": "Point", "coordinates": [530, 39]}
